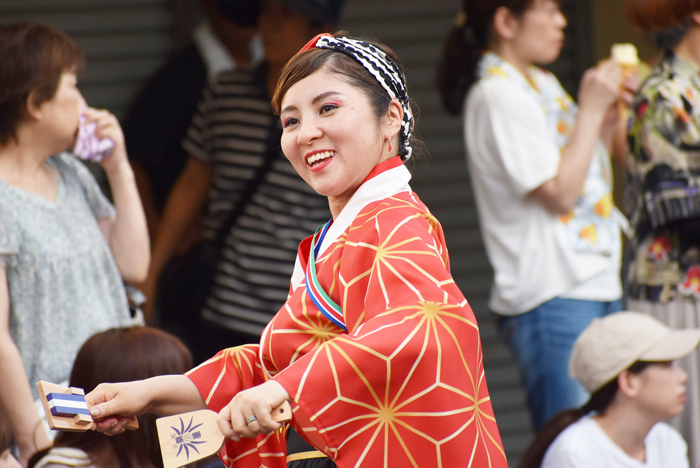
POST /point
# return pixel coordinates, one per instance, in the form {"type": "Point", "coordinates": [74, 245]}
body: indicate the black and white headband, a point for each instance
{"type": "Point", "coordinates": [384, 70]}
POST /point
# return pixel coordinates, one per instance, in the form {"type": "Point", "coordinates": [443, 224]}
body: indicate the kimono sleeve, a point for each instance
{"type": "Point", "coordinates": [218, 380]}
{"type": "Point", "coordinates": [406, 383]}
{"type": "Point", "coordinates": [507, 136]}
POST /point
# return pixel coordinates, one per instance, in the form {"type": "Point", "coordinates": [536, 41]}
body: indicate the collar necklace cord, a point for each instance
{"type": "Point", "coordinates": [381, 67]}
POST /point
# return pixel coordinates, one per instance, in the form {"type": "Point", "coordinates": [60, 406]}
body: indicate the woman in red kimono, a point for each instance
{"type": "Point", "coordinates": [376, 347]}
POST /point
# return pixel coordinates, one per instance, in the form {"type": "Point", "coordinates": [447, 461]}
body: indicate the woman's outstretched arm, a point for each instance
{"type": "Point", "coordinates": [111, 404]}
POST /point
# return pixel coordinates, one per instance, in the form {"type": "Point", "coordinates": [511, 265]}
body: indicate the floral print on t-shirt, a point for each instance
{"type": "Point", "coordinates": [593, 224]}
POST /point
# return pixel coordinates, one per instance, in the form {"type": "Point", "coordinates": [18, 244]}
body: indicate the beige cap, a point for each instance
{"type": "Point", "coordinates": [613, 343]}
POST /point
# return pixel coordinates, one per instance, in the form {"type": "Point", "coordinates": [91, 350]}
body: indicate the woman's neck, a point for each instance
{"type": "Point", "coordinates": [24, 167]}
{"type": "Point", "coordinates": [19, 162]}
{"type": "Point", "coordinates": [507, 53]}
{"type": "Point", "coordinates": [627, 427]}
{"type": "Point", "coordinates": [689, 47]}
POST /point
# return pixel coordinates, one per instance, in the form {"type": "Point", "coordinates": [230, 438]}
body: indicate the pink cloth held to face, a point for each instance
{"type": "Point", "coordinates": [88, 146]}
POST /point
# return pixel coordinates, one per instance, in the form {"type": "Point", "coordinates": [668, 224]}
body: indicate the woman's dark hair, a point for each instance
{"type": "Point", "coordinates": [33, 58]}
{"type": "Point", "coordinates": [464, 45]}
{"type": "Point", "coordinates": [352, 72]}
{"type": "Point", "coordinates": [123, 355]}
{"type": "Point", "coordinates": [598, 402]}
{"type": "Point", "coordinates": [665, 22]}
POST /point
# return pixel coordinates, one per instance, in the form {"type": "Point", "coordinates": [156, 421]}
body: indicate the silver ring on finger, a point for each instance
{"type": "Point", "coordinates": [251, 419]}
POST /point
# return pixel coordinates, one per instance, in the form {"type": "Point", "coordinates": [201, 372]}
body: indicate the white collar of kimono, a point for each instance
{"type": "Point", "coordinates": [379, 187]}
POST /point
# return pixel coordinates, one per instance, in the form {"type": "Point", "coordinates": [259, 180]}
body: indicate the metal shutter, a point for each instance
{"type": "Point", "coordinates": [124, 41]}
{"type": "Point", "coordinates": [415, 29]}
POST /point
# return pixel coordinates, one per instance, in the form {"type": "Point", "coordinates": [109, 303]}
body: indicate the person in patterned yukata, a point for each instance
{"type": "Point", "coordinates": [663, 177]}
{"type": "Point", "coordinates": [376, 347]}
{"type": "Point", "coordinates": [540, 169]}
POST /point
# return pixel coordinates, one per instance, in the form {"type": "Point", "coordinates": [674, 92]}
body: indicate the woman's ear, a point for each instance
{"type": "Point", "coordinates": [393, 118]}
{"type": "Point", "coordinates": [33, 109]}
{"type": "Point", "coordinates": [628, 384]}
{"type": "Point", "coordinates": [505, 24]}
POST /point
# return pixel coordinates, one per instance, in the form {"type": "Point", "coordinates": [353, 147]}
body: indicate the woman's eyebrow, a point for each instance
{"type": "Point", "coordinates": [323, 96]}
{"type": "Point", "coordinates": [314, 101]}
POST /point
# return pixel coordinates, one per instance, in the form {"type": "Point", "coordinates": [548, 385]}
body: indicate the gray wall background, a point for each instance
{"type": "Point", "coordinates": [125, 41]}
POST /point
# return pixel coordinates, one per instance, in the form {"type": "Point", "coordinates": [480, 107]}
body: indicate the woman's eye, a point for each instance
{"type": "Point", "coordinates": [327, 108]}
{"type": "Point", "coordinates": [289, 121]}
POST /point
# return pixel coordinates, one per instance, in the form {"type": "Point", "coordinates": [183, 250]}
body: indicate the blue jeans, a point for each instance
{"type": "Point", "coordinates": [541, 340]}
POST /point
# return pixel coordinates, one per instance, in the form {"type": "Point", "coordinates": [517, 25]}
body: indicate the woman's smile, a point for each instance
{"type": "Point", "coordinates": [319, 159]}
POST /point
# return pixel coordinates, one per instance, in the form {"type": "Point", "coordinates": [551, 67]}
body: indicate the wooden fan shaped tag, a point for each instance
{"type": "Point", "coordinates": [188, 437]}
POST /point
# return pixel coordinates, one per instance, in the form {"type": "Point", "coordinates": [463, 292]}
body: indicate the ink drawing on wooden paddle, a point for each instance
{"type": "Point", "coordinates": [188, 437]}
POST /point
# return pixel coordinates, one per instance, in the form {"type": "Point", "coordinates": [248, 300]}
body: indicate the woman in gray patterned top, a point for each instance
{"type": "Point", "coordinates": [63, 248]}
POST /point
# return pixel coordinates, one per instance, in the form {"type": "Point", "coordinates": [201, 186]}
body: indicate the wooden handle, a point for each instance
{"type": "Point", "coordinates": [282, 413]}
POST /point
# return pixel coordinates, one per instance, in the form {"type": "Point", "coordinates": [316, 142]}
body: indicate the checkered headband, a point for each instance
{"type": "Point", "coordinates": [381, 67]}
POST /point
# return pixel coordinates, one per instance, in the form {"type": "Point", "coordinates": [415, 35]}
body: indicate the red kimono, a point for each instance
{"type": "Point", "coordinates": [404, 386]}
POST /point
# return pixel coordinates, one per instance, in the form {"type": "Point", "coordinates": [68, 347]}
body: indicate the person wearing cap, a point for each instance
{"type": "Point", "coordinates": [663, 174]}
{"type": "Point", "coordinates": [256, 209]}
{"type": "Point", "coordinates": [376, 348]}
{"type": "Point", "coordinates": [625, 360]}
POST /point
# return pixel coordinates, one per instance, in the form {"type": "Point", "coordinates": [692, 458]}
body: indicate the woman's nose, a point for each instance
{"type": "Point", "coordinates": [562, 21]}
{"type": "Point", "coordinates": [308, 132]}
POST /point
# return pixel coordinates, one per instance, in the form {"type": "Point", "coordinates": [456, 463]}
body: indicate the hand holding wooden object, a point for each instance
{"type": "Point", "coordinates": [188, 437]}
{"type": "Point", "coordinates": [67, 410]}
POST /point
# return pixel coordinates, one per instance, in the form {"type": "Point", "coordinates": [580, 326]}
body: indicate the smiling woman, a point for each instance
{"type": "Point", "coordinates": [376, 347]}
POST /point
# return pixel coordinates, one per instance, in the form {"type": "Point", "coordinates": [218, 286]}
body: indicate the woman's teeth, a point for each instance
{"type": "Point", "coordinates": [318, 157]}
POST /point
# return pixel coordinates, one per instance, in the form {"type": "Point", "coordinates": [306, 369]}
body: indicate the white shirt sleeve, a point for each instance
{"type": "Point", "coordinates": [505, 130]}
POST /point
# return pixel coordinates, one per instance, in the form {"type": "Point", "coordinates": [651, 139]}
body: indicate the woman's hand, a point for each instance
{"type": "Point", "coordinates": [600, 88]}
{"type": "Point", "coordinates": [108, 127]}
{"type": "Point", "coordinates": [257, 401]}
{"type": "Point", "coordinates": [112, 404]}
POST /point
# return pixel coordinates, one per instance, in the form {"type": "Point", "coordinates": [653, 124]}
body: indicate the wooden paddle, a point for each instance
{"type": "Point", "coordinates": [67, 410]}
{"type": "Point", "coordinates": [188, 437]}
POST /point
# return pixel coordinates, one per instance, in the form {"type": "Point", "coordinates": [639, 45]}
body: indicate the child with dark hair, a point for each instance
{"type": "Point", "coordinates": [625, 361]}
{"type": "Point", "coordinates": [118, 355]}
{"type": "Point", "coordinates": [663, 174]}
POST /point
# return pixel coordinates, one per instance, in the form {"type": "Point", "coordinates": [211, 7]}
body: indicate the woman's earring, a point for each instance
{"type": "Point", "coordinates": [390, 146]}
